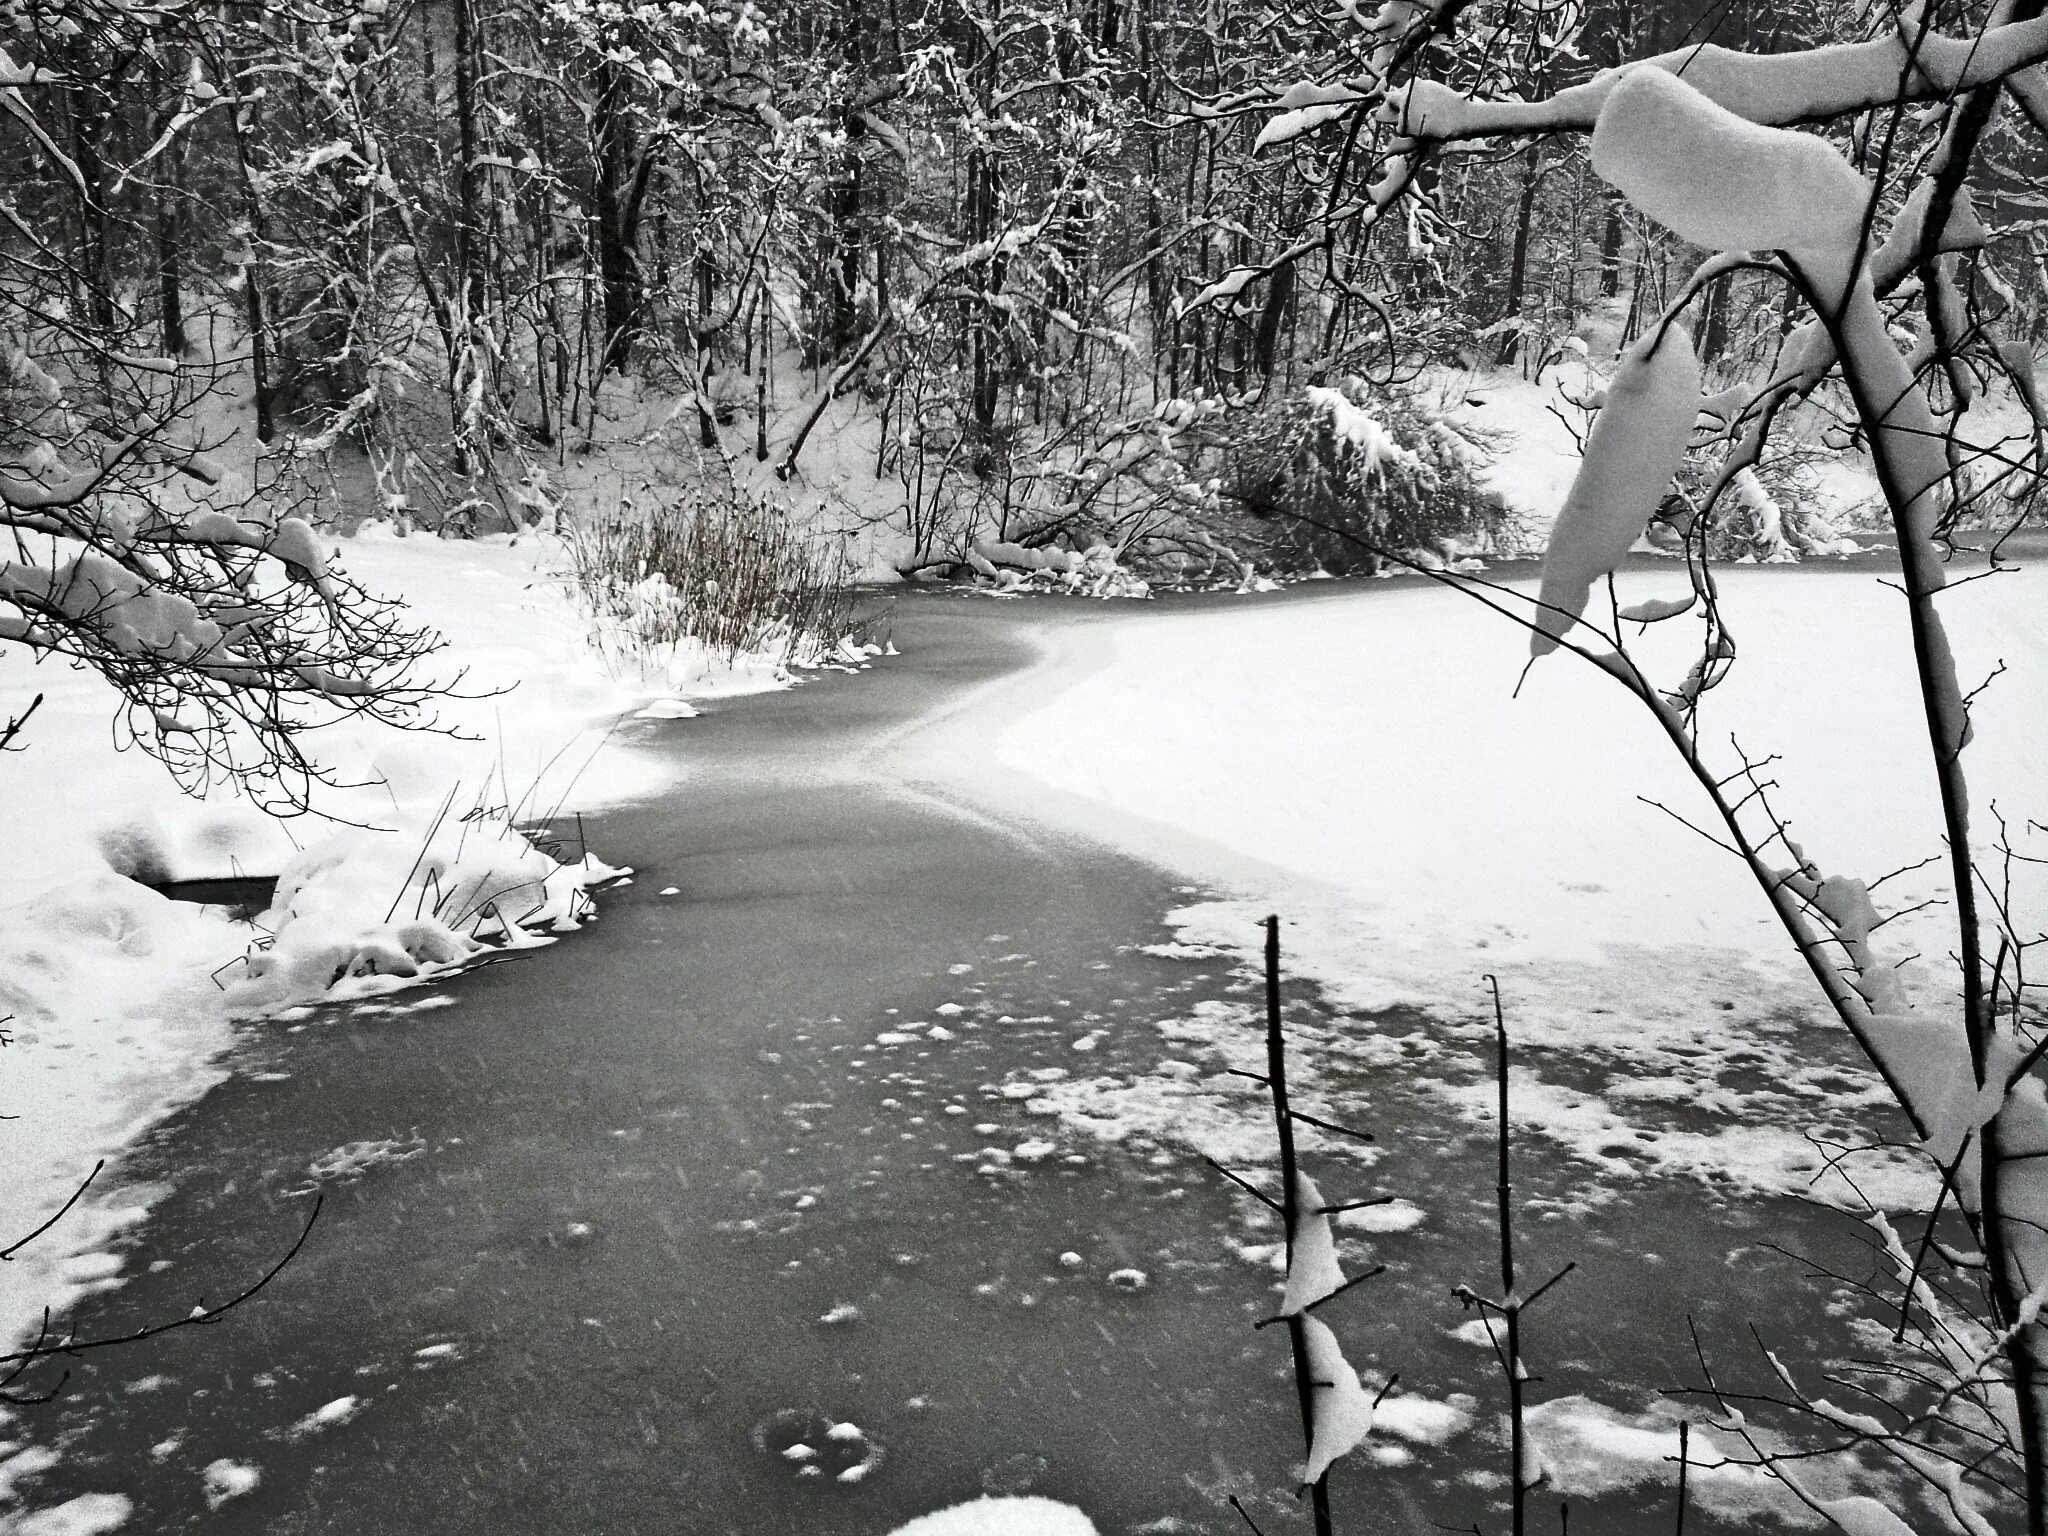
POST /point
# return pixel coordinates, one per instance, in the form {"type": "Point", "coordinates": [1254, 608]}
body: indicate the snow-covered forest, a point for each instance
{"type": "Point", "coordinates": [1027, 767]}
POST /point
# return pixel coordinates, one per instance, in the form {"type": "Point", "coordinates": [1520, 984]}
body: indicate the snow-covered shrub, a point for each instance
{"type": "Point", "coordinates": [1339, 476]}
{"type": "Point", "coordinates": [718, 565]}
{"type": "Point", "coordinates": [1774, 525]}
{"type": "Point", "coordinates": [1773, 513]}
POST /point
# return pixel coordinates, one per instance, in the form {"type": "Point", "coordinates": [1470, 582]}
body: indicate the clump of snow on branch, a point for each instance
{"type": "Point", "coordinates": [1634, 449]}
{"type": "Point", "coordinates": [1304, 107]}
{"type": "Point", "coordinates": [1719, 180]}
{"type": "Point", "coordinates": [1314, 1272]}
{"type": "Point", "coordinates": [1343, 1409]}
{"type": "Point", "coordinates": [1363, 436]}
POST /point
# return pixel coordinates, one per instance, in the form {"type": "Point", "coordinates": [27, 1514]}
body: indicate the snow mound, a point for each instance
{"type": "Point", "coordinates": [225, 1479]}
{"type": "Point", "coordinates": [1394, 1216]}
{"type": "Point", "coordinates": [1026, 1516]}
{"type": "Point", "coordinates": [347, 1163]}
{"type": "Point", "coordinates": [1720, 180]}
{"type": "Point", "coordinates": [328, 1416]}
{"type": "Point", "coordinates": [1862, 1516]}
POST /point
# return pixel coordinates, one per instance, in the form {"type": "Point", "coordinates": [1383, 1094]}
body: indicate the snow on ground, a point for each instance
{"type": "Point", "coordinates": [116, 1019]}
{"type": "Point", "coordinates": [1534, 456]}
{"type": "Point", "coordinates": [1362, 766]}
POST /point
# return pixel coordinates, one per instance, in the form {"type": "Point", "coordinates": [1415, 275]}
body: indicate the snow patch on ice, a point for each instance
{"type": "Point", "coordinates": [1025, 1516]}
{"type": "Point", "coordinates": [1590, 1449]}
{"type": "Point", "coordinates": [90, 1514]}
{"type": "Point", "coordinates": [226, 1479]}
{"type": "Point", "coordinates": [1394, 1216]}
{"type": "Point", "coordinates": [328, 1416]}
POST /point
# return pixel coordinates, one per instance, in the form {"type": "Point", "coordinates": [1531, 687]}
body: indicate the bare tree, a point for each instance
{"type": "Point", "coordinates": [143, 538]}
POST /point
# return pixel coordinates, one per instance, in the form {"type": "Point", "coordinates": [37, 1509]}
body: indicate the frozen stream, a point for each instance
{"type": "Point", "coordinates": [732, 1213]}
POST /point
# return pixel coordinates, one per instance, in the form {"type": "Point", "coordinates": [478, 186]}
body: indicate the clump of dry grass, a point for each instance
{"type": "Point", "coordinates": [718, 565]}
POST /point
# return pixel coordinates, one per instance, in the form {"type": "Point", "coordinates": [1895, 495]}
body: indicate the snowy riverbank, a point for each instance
{"type": "Point", "coordinates": [121, 999]}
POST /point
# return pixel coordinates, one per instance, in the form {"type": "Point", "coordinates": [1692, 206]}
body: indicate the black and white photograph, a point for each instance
{"type": "Point", "coordinates": [1023, 767]}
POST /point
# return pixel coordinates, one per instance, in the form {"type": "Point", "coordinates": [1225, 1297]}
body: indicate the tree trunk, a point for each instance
{"type": "Point", "coordinates": [984, 196]}
{"type": "Point", "coordinates": [1610, 250]}
{"type": "Point", "coordinates": [170, 261]}
{"type": "Point", "coordinates": [622, 169]}
{"type": "Point", "coordinates": [1518, 265]}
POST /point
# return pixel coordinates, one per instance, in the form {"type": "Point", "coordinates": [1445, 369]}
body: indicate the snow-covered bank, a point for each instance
{"type": "Point", "coordinates": [116, 1014]}
{"type": "Point", "coordinates": [1360, 763]}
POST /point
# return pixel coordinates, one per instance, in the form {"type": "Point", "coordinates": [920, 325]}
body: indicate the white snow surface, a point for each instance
{"type": "Point", "coordinates": [1358, 762]}
{"type": "Point", "coordinates": [90, 1514]}
{"type": "Point", "coordinates": [115, 1021]}
{"type": "Point", "coordinates": [1589, 1449]}
{"type": "Point", "coordinates": [1026, 1516]}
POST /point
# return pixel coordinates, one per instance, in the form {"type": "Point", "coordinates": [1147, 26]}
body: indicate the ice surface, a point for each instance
{"type": "Point", "coordinates": [1405, 867]}
{"type": "Point", "coordinates": [116, 1020]}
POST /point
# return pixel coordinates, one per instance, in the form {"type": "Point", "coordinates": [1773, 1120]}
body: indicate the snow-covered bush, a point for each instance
{"type": "Point", "coordinates": [1339, 474]}
{"type": "Point", "coordinates": [719, 565]}
{"type": "Point", "coordinates": [367, 910]}
{"type": "Point", "coordinates": [1773, 519]}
